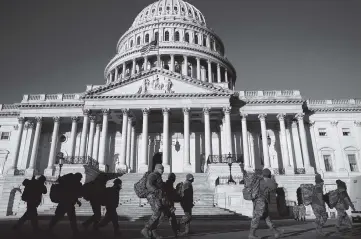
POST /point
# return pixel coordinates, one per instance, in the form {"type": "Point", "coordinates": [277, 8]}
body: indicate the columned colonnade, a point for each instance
{"type": "Point", "coordinates": [96, 146]}
{"type": "Point", "coordinates": [198, 68]}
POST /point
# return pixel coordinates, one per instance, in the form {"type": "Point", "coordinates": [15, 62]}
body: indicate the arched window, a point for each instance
{"type": "Point", "coordinates": [352, 157]}
{"type": "Point", "coordinates": [166, 36]}
{"type": "Point", "coordinates": [147, 38]}
{"type": "Point", "coordinates": [176, 36]}
{"type": "Point", "coordinates": [196, 39]}
{"type": "Point", "coordinates": [156, 36]}
{"type": "Point", "coordinates": [131, 43]}
{"type": "Point", "coordinates": [204, 40]}
{"type": "Point", "coordinates": [138, 40]}
{"type": "Point", "coordinates": [186, 38]}
{"type": "Point", "coordinates": [212, 45]}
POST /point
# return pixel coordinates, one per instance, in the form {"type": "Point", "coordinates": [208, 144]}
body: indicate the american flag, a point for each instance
{"type": "Point", "coordinates": [153, 45]}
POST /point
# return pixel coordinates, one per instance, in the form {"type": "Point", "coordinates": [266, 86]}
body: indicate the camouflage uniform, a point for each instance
{"type": "Point", "coordinates": [260, 205]}
{"type": "Point", "coordinates": [318, 207]}
{"type": "Point", "coordinates": [342, 205]}
{"type": "Point", "coordinates": [187, 204]}
{"type": "Point", "coordinates": [302, 212]}
{"type": "Point", "coordinates": [154, 186]}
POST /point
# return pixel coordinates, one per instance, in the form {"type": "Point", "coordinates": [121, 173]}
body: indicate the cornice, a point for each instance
{"type": "Point", "coordinates": [51, 105]}
{"type": "Point", "coordinates": [337, 109]}
{"type": "Point", "coordinates": [159, 96]}
{"type": "Point", "coordinates": [9, 114]}
{"type": "Point", "coordinates": [273, 101]}
{"type": "Point", "coordinates": [180, 46]}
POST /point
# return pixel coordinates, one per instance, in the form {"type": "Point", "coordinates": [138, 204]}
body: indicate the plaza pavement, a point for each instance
{"type": "Point", "coordinates": [202, 229]}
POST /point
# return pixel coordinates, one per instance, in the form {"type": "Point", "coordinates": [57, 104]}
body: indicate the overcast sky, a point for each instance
{"type": "Point", "coordinates": [49, 46]}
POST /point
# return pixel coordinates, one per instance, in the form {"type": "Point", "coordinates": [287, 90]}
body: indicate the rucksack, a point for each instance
{"type": "Point", "coordinates": [332, 198]}
{"type": "Point", "coordinates": [29, 186]}
{"type": "Point", "coordinates": [55, 193]}
{"type": "Point", "coordinates": [179, 190]}
{"type": "Point", "coordinates": [251, 187]}
{"type": "Point", "coordinates": [140, 187]}
{"type": "Point", "coordinates": [307, 191]}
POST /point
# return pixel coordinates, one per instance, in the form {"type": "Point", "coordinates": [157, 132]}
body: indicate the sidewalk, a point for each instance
{"type": "Point", "coordinates": [215, 229]}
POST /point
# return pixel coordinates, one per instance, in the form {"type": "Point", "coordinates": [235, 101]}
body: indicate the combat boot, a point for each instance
{"type": "Point", "coordinates": [277, 232]}
{"type": "Point", "coordinates": [320, 232]}
{"type": "Point", "coordinates": [252, 234]}
{"type": "Point", "coordinates": [155, 235]}
{"type": "Point", "coordinates": [146, 233]}
{"type": "Point", "coordinates": [186, 230]}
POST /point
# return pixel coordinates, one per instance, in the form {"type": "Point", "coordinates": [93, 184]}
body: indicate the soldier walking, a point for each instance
{"type": "Point", "coordinates": [71, 192]}
{"type": "Point", "coordinates": [111, 203]}
{"type": "Point", "coordinates": [261, 201]}
{"type": "Point", "coordinates": [34, 189]}
{"type": "Point", "coordinates": [318, 205]}
{"type": "Point", "coordinates": [187, 204]}
{"type": "Point", "coordinates": [342, 205]}
{"type": "Point", "coordinates": [155, 196]}
{"type": "Point", "coordinates": [171, 197]}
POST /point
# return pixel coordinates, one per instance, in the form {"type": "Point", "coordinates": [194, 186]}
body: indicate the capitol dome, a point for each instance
{"type": "Point", "coordinates": [168, 9]}
{"type": "Point", "coordinates": [172, 35]}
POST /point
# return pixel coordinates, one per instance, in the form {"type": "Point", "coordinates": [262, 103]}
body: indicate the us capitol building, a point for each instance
{"type": "Point", "coordinates": [169, 88]}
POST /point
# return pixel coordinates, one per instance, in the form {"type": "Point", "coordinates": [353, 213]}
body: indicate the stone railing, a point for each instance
{"type": "Point", "coordinates": [354, 102]}
{"type": "Point", "coordinates": [223, 158]}
{"type": "Point", "coordinates": [51, 98]}
{"type": "Point", "coordinates": [270, 94]}
{"type": "Point", "coordinates": [81, 160]}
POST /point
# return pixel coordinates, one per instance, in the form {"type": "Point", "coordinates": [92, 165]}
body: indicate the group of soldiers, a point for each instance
{"type": "Point", "coordinates": [319, 201]}
{"type": "Point", "coordinates": [161, 197]}
{"type": "Point", "coordinates": [68, 189]}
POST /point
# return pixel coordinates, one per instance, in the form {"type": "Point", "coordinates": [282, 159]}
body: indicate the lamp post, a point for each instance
{"type": "Point", "coordinates": [60, 156]}
{"type": "Point", "coordinates": [229, 159]}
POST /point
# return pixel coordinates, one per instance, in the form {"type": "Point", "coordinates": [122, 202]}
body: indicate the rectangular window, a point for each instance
{"type": "Point", "coordinates": [352, 162]}
{"type": "Point", "coordinates": [328, 163]}
{"type": "Point", "coordinates": [4, 135]}
{"type": "Point", "coordinates": [346, 132]}
{"type": "Point", "coordinates": [322, 132]}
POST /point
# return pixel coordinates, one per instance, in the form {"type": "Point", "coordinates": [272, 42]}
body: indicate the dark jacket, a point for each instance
{"type": "Point", "coordinates": [187, 199]}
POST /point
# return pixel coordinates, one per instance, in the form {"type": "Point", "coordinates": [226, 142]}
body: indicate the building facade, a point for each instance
{"type": "Point", "coordinates": [170, 89]}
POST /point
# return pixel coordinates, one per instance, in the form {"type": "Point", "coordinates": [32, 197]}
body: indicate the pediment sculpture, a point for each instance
{"type": "Point", "coordinates": [156, 86]}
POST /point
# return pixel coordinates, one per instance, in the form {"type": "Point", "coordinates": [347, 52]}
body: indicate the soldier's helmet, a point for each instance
{"type": "Point", "coordinates": [42, 178]}
{"type": "Point", "coordinates": [117, 182]}
{"type": "Point", "coordinates": [190, 177]}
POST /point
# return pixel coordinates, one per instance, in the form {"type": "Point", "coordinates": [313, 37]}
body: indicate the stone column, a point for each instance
{"type": "Point", "coordinates": [132, 147]}
{"type": "Point", "coordinates": [228, 131]}
{"type": "Point", "coordinates": [166, 140]}
{"type": "Point", "coordinates": [262, 118]}
{"type": "Point", "coordinates": [209, 72]}
{"type": "Point", "coordinates": [246, 158]}
{"type": "Point", "coordinates": [289, 143]}
{"type": "Point", "coordinates": [198, 68]}
{"type": "Point", "coordinates": [226, 75]}
{"type": "Point", "coordinates": [172, 63]}
{"type": "Point", "coordinates": [103, 141]}
{"type": "Point", "coordinates": [207, 134]}
{"type": "Point", "coordinates": [186, 158]}
{"type": "Point", "coordinates": [133, 67]}
{"type": "Point", "coordinates": [185, 67]}
{"type": "Point", "coordinates": [308, 168]}
{"type": "Point", "coordinates": [116, 74]}
{"type": "Point", "coordinates": [54, 141]}
{"type": "Point", "coordinates": [223, 141]}
{"type": "Point", "coordinates": [129, 135]}
{"type": "Point", "coordinates": [143, 166]}
{"type": "Point", "coordinates": [124, 68]}
{"type": "Point", "coordinates": [123, 148]}
{"type": "Point", "coordinates": [91, 136]}
{"type": "Point", "coordinates": [297, 145]}
{"type": "Point", "coordinates": [218, 73]}
{"type": "Point", "coordinates": [145, 63]}
{"type": "Point", "coordinates": [284, 145]}
{"type": "Point", "coordinates": [74, 128]}
{"type": "Point", "coordinates": [96, 142]}
{"type": "Point", "coordinates": [84, 134]}
{"type": "Point", "coordinates": [34, 151]}
{"type": "Point", "coordinates": [20, 128]}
